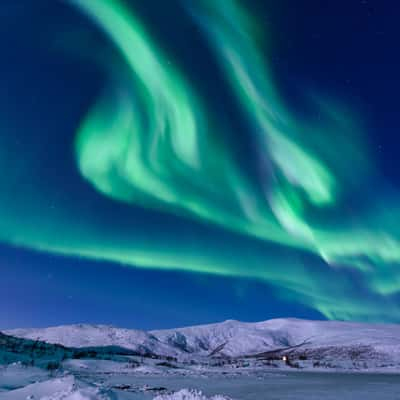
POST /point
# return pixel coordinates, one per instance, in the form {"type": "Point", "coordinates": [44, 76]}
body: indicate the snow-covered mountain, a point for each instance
{"type": "Point", "coordinates": [236, 338]}
{"type": "Point", "coordinates": [85, 335]}
{"type": "Point", "coordinates": [231, 338]}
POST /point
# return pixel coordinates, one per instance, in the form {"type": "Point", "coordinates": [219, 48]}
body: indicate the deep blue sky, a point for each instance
{"type": "Point", "coordinates": [41, 290]}
{"type": "Point", "coordinates": [345, 49]}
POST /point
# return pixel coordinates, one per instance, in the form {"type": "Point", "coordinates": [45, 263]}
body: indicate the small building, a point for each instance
{"type": "Point", "coordinates": [286, 360]}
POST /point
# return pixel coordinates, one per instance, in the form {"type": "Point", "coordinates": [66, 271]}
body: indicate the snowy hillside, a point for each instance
{"type": "Point", "coordinates": [13, 349]}
{"type": "Point", "coordinates": [233, 338]}
{"type": "Point", "coordinates": [84, 335]}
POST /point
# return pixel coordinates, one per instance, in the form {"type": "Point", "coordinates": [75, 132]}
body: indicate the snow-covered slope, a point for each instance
{"type": "Point", "coordinates": [234, 338]}
{"type": "Point", "coordinates": [229, 338]}
{"type": "Point", "coordinates": [85, 335]}
{"type": "Point", "coordinates": [14, 349]}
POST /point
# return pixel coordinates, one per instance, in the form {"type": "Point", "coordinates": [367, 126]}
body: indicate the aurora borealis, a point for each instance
{"type": "Point", "coordinates": [151, 173]}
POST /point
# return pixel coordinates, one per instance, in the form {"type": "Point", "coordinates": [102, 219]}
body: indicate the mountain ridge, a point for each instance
{"type": "Point", "coordinates": [230, 338]}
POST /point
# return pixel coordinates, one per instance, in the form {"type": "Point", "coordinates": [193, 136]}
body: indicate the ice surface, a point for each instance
{"type": "Point", "coordinates": [189, 394]}
{"type": "Point", "coordinates": [93, 383]}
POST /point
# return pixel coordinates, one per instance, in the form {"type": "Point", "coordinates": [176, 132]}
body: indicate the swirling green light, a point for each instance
{"type": "Point", "coordinates": [172, 159]}
{"type": "Point", "coordinates": [229, 29]}
{"type": "Point", "coordinates": [169, 159]}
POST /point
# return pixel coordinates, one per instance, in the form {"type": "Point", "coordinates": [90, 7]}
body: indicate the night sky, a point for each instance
{"type": "Point", "coordinates": [168, 163]}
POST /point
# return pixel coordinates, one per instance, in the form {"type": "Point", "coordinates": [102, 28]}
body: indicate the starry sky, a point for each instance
{"type": "Point", "coordinates": [182, 162]}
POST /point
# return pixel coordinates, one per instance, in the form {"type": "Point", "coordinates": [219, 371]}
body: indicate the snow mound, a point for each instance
{"type": "Point", "coordinates": [190, 394]}
{"type": "Point", "coordinates": [65, 388]}
{"type": "Point", "coordinates": [15, 375]}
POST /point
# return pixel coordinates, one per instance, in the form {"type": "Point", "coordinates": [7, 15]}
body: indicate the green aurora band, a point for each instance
{"type": "Point", "coordinates": [150, 142]}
